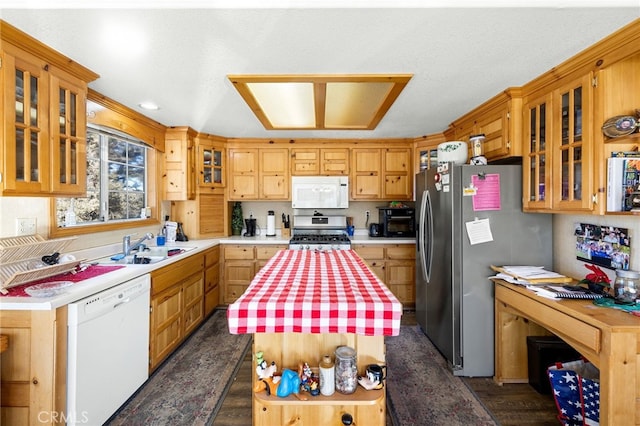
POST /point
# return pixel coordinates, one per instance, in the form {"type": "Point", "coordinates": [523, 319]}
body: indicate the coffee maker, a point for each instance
{"type": "Point", "coordinates": [251, 227]}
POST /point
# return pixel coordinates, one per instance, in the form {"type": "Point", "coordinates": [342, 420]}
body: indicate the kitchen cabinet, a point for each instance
{"type": "Point", "coordinates": [273, 174]}
{"type": "Point", "coordinates": [240, 263]}
{"type": "Point", "coordinates": [243, 174]}
{"type": "Point", "coordinates": [366, 173]}
{"type": "Point", "coordinates": [203, 217]}
{"type": "Point", "coordinates": [177, 306]}
{"type": "Point", "coordinates": [44, 100]}
{"type": "Point", "coordinates": [180, 163]}
{"type": "Point", "coordinates": [558, 172]}
{"type": "Point", "coordinates": [381, 173]}
{"type": "Point", "coordinates": [195, 170]}
{"type": "Point", "coordinates": [573, 146]}
{"type": "Point", "coordinates": [259, 174]}
{"type": "Point", "coordinates": [564, 152]}
{"type": "Point", "coordinates": [33, 368]}
{"type": "Point", "coordinates": [500, 120]}
{"type": "Point", "coordinates": [426, 151]}
{"type": "Point", "coordinates": [536, 170]}
{"type": "Point", "coordinates": [395, 265]}
{"type": "Point", "coordinates": [618, 93]}
{"type": "Point", "coordinates": [211, 279]}
{"type": "Point", "coordinates": [319, 161]}
{"type": "Point", "coordinates": [211, 157]}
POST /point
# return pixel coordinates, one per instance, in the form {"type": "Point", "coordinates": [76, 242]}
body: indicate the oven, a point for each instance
{"type": "Point", "coordinates": [397, 221]}
{"type": "Point", "coordinates": [319, 232]}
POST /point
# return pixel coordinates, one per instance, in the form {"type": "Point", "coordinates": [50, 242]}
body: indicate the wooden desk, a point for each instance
{"type": "Point", "coordinates": [607, 337]}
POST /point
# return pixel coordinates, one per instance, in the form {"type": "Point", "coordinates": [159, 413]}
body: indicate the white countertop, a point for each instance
{"type": "Point", "coordinates": [97, 284]}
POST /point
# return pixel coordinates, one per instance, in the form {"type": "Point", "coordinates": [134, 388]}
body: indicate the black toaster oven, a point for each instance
{"type": "Point", "coordinates": [397, 221]}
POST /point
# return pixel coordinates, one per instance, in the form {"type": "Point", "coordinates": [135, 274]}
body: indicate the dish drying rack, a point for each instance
{"type": "Point", "coordinates": [21, 256]}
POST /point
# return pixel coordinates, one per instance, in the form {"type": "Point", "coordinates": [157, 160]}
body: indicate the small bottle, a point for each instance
{"type": "Point", "coordinates": [327, 377]}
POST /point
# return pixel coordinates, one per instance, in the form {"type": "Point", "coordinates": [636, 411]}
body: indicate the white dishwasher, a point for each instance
{"type": "Point", "coordinates": [108, 350]}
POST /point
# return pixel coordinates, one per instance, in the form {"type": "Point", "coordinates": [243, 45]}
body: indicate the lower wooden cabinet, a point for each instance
{"type": "Point", "coordinates": [395, 265]}
{"type": "Point", "coordinates": [211, 279]}
{"type": "Point", "coordinates": [33, 367]}
{"type": "Point", "coordinates": [240, 263]}
{"type": "Point", "coordinates": [177, 306]}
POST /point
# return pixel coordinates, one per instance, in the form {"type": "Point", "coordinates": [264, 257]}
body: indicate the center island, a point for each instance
{"type": "Point", "coordinates": [303, 304]}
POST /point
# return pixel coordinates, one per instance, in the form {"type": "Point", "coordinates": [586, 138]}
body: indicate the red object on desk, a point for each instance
{"type": "Point", "coordinates": [308, 291]}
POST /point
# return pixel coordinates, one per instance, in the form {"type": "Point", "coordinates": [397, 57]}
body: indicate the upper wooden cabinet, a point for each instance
{"type": "Point", "coordinates": [621, 79]}
{"type": "Point", "coordinates": [381, 174]}
{"type": "Point", "coordinates": [573, 145]}
{"type": "Point", "coordinates": [273, 174]}
{"type": "Point", "coordinates": [565, 153]}
{"type": "Point", "coordinates": [319, 161]}
{"type": "Point", "coordinates": [426, 151]}
{"type": "Point", "coordinates": [210, 160]}
{"type": "Point", "coordinates": [558, 162]}
{"type": "Point", "coordinates": [44, 122]}
{"type": "Point", "coordinates": [499, 119]}
{"type": "Point", "coordinates": [180, 164]}
{"type": "Point", "coordinates": [259, 174]}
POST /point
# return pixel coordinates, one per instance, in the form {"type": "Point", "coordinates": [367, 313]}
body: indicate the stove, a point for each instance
{"type": "Point", "coordinates": [319, 233]}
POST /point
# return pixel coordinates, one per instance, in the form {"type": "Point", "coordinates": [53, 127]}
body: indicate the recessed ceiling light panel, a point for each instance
{"type": "Point", "coordinates": [312, 102]}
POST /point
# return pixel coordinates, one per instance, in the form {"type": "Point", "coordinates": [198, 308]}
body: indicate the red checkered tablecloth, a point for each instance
{"type": "Point", "coordinates": [308, 291]}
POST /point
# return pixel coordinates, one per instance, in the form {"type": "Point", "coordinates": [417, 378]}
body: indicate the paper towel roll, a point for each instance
{"type": "Point", "coordinates": [271, 224]}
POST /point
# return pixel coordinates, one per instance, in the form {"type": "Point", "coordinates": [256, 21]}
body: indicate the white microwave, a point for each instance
{"type": "Point", "coordinates": [319, 192]}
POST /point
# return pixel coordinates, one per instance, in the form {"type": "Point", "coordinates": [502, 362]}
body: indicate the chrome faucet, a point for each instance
{"type": "Point", "coordinates": [127, 247]}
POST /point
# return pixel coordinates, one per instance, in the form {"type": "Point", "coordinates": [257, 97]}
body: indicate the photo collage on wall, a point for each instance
{"type": "Point", "coordinates": [606, 246]}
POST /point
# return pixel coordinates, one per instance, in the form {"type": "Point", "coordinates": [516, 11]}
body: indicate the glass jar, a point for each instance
{"type": "Point", "coordinates": [626, 286]}
{"type": "Point", "coordinates": [346, 370]}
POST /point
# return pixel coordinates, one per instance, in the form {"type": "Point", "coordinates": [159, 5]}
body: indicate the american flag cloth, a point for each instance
{"type": "Point", "coordinates": [576, 393]}
{"type": "Point", "coordinates": [310, 291]}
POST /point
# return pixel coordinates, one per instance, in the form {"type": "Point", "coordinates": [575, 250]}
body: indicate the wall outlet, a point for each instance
{"type": "Point", "coordinates": [366, 212]}
{"type": "Point", "coordinates": [25, 226]}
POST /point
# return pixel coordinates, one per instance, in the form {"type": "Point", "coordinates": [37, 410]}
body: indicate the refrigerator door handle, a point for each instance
{"type": "Point", "coordinates": [425, 236]}
{"type": "Point", "coordinates": [428, 238]}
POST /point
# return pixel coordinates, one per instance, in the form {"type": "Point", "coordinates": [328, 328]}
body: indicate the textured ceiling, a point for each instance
{"type": "Point", "coordinates": [179, 58]}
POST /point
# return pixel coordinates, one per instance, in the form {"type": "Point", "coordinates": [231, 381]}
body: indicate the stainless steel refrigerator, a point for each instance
{"type": "Point", "coordinates": [454, 297]}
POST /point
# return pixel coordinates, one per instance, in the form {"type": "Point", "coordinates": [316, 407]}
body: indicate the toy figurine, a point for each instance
{"type": "Point", "coordinates": [286, 384]}
{"type": "Point", "coordinates": [309, 381]}
{"type": "Point", "coordinates": [263, 370]}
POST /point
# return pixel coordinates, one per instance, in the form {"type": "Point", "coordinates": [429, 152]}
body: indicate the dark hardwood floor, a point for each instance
{"type": "Point", "coordinates": [510, 404]}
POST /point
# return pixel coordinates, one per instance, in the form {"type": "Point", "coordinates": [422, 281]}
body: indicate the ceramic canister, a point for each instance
{"type": "Point", "coordinates": [327, 376]}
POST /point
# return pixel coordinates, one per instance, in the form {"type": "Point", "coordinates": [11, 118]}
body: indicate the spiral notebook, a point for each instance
{"type": "Point", "coordinates": [559, 292]}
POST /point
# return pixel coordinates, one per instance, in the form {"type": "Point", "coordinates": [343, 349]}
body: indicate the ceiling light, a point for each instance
{"type": "Point", "coordinates": [149, 106]}
{"type": "Point", "coordinates": [288, 102]}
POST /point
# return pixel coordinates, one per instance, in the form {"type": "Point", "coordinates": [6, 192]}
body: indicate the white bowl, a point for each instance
{"type": "Point", "coordinates": [456, 152]}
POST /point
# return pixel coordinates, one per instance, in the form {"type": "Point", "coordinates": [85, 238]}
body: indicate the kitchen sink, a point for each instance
{"type": "Point", "coordinates": [148, 256]}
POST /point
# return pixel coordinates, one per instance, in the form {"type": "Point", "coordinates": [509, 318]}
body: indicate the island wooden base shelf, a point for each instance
{"type": "Point", "coordinates": [291, 349]}
{"type": "Point", "coordinates": [360, 397]}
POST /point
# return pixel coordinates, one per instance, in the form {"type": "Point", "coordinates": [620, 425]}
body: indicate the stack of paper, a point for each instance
{"type": "Point", "coordinates": [532, 274]}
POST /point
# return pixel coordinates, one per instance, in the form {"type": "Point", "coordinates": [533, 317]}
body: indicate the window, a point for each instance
{"type": "Point", "coordinates": [116, 182]}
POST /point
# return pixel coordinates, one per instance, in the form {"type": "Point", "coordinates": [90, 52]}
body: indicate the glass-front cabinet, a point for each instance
{"type": "Point", "coordinates": [68, 106]}
{"type": "Point", "coordinates": [26, 120]}
{"type": "Point", "coordinates": [572, 146]}
{"type": "Point", "coordinates": [557, 158]}
{"type": "Point", "coordinates": [44, 117]}
{"type": "Point", "coordinates": [536, 170]}
{"type": "Point", "coordinates": [210, 166]}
